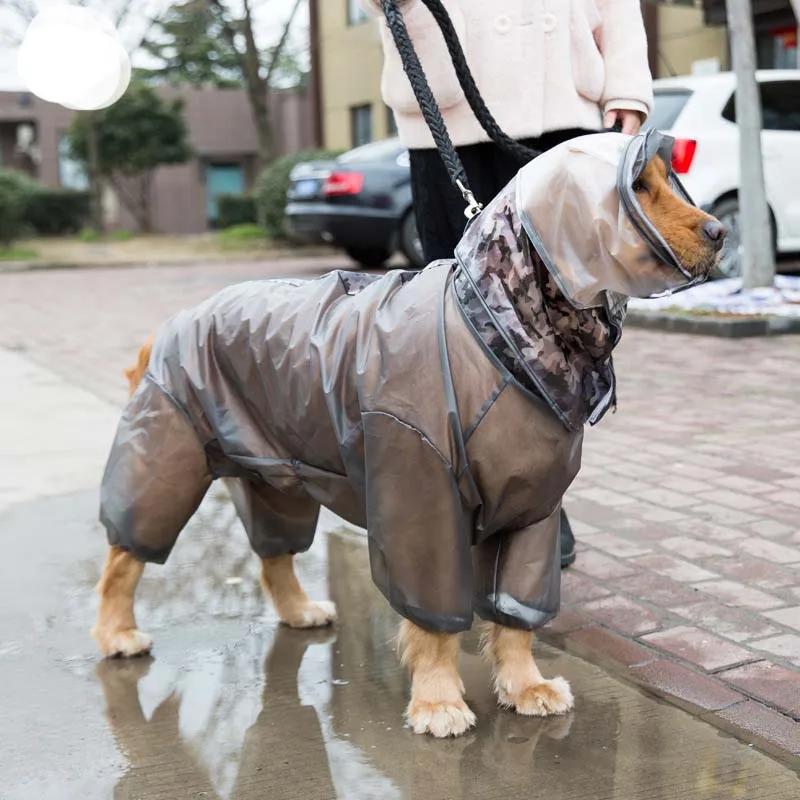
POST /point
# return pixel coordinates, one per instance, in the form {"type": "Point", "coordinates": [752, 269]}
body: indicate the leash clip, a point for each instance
{"type": "Point", "coordinates": [473, 206]}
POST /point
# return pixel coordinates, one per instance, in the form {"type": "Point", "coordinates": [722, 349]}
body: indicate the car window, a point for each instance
{"type": "Point", "coordinates": [667, 106]}
{"type": "Point", "coordinates": [780, 106]}
{"type": "Point", "coordinates": [384, 150]}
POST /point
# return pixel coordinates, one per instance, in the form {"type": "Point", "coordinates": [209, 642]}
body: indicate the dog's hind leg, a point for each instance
{"type": "Point", "coordinates": [437, 704]}
{"type": "Point", "coordinates": [116, 632]}
{"type": "Point", "coordinates": [517, 681]}
{"type": "Point", "coordinates": [277, 525]}
{"type": "Point", "coordinates": [291, 602]}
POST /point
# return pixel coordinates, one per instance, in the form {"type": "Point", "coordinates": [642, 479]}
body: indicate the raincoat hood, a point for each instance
{"type": "Point", "coordinates": [578, 206]}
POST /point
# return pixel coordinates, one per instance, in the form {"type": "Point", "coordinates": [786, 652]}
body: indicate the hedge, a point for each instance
{"type": "Point", "coordinates": [56, 212]}
{"type": "Point", "coordinates": [236, 209]}
{"type": "Point", "coordinates": [15, 191]}
{"type": "Point", "coordinates": [273, 184]}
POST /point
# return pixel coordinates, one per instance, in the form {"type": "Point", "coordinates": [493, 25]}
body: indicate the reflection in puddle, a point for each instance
{"type": "Point", "coordinates": [236, 706]}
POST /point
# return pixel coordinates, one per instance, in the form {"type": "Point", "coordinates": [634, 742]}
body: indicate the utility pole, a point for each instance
{"type": "Point", "coordinates": [758, 258]}
{"type": "Point", "coordinates": [796, 9]}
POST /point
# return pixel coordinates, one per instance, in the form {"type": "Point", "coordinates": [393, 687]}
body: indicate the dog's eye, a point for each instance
{"type": "Point", "coordinates": [639, 186]}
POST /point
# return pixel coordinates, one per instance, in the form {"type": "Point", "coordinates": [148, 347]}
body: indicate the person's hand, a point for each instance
{"type": "Point", "coordinates": [631, 120]}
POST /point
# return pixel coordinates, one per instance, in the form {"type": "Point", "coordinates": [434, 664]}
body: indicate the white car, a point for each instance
{"type": "Point", "coordinates": [700, 112]}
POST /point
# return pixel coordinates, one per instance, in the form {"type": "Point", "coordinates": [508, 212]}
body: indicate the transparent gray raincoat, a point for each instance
{"type": "Point", "coordinates": [442, 410]}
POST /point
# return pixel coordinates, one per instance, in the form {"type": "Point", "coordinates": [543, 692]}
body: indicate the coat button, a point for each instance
{"type": "Point", "coordinates": [502, 23]}
{"type": "Point", "coordinates": [549, 22]}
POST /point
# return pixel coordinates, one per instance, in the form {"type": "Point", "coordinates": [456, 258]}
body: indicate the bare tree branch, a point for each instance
{"type": "Point", "coordinates": [277, 52]}
{"type": "Point", "coordinates": [26, 9]}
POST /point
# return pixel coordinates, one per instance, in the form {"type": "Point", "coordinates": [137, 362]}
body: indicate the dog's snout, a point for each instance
{"type": "Point", "coordinates": [715, 232]}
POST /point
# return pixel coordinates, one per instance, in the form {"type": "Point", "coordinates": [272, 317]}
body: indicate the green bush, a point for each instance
{"type": "Point", "coordinates": [242, 235]}
{"type": "Point", "coordinates": [15, 193]}
{"type": "Point", "coordinates": [273, 185]}
{"type": "Point", "coordinates": [236, 209]}
{"type": "Point", "coordinates": [120, 236]}
{"type": "Point", "coordinates": [56, 212]}
{"type": "Point", "coordinates": [89, 235]}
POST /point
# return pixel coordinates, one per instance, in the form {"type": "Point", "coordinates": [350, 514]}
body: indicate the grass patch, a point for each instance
{"type": "Point", "coordinates": [17, 254]}
{"type": "Point", "coordinates": [91, 236]}
{"type": "Point", "coordinates": [242, 236]}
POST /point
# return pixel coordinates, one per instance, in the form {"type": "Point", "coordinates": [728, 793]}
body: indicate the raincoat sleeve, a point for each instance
{"type": "Point", "coordinates": [623, 42]}
{"type": "Point", "coordinates": [419, 542]}
{"type": "Point", "coordinates": [275, 523]}
{"type": "Point", "coordinates": [518, 575]}
{"type": "Point", "coordinates": [144, 500]}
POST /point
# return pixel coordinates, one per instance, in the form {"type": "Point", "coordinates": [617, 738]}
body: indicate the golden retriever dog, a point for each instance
{"type": "Point", "coordinates": [436, 704]}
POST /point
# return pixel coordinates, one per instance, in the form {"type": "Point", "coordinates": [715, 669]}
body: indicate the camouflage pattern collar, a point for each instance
{"type": "Point", "coordinates": [514, 306]}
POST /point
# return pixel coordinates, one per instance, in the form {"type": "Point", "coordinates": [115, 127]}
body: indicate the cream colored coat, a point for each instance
{"type": "Point", "coordinates": [540, 65]}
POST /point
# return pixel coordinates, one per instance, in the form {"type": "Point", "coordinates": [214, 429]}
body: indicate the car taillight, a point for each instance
{"type": "Point", "coordinates": [341, 183]}
{"type": "Point", "coordinates": [683, 154]}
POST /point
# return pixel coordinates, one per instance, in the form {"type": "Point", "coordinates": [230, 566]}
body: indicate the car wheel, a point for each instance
{"type": "Point", "coordinates": [410, 243]}
{"type": "Point", "coordinates": [369, 257]}
{"type": "Point", "coordinates": [730, 263]}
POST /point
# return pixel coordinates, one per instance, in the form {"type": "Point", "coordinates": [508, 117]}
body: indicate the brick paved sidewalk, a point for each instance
{"type": "Point", "coordinates": [687, 509]}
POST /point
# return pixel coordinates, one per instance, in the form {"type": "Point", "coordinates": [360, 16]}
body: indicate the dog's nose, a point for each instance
{"type": "Point", "coordinates": [715, 232]}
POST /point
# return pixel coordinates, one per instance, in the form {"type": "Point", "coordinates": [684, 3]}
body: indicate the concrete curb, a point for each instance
{"type": "Point", "coordinates": [182, 261]}
{"type": "Point", "coordinates": [726, 327]}
{"type": "Point", "coordinates": [702, 695]}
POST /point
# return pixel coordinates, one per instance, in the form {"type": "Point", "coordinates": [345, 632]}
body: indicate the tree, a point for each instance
{"type": "Point", "coordinates": [132, 18]}
{"type": "Point", "coordinates": [134, 137]}
{"type": "Point", "coordinates": [215, 41]}
{"type": "Point", "coordinates": [238, 31]}
{"type": "Point", "coordinates": [188, 47]}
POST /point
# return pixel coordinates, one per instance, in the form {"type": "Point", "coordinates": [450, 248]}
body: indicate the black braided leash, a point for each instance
{"type": "Point", "coordinates": [429, 106]}
{"type": "Point", "coordinates": [473, 96]}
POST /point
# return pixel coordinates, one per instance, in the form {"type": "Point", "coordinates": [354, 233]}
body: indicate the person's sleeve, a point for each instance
{"type": "Point", "coordinates": [623, 44]}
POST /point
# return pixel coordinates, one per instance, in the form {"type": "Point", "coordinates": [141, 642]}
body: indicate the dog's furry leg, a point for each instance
{"type": "Point", "coordinates": [517, 681]}
{"type": "Point", "coordinates": [115, 631]}
{"type": "Point", "coordinates": [291, 602]}
{"type": "Point", "coordinates": [437, 705]}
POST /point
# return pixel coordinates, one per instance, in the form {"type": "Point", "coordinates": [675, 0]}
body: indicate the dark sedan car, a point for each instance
{"type": "Point", "coordinates": [359, 202]}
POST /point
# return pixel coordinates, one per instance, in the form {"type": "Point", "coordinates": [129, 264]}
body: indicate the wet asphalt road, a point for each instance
{"type": "Point", "coordinates": [232, 705]}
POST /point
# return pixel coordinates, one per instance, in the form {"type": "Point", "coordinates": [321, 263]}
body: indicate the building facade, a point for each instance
{"type": "Point", "coordinates": [684, 36]}
{"type": "Point", "coordinates": [221, 133]}
{"type": "Point", "coordinates": [775, 25]}
{"type": "Point", "coordinates": [348, 67]}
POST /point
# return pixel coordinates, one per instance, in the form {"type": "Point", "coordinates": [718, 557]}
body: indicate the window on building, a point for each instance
{"type": "Point", "coordinates": [355, 13]}
{"type": "Point", "coordinates": [360, 125]}
{"type": "Point", "coordinates": [391, 123]}
{"type": "Point", "coordinates": [71, 172]}
{"type": "Point", "coordinates": [777, 49]}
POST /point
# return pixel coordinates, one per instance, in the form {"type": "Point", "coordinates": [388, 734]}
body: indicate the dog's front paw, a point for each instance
{"type": "Point", "coordinates": [125, 644]}
{"type": "Point", "coordinates": [312, 615]}
{"type": "Point", "coordinates": [441, 719]}
{"type": "Point", "coordinates": [540, 700]}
